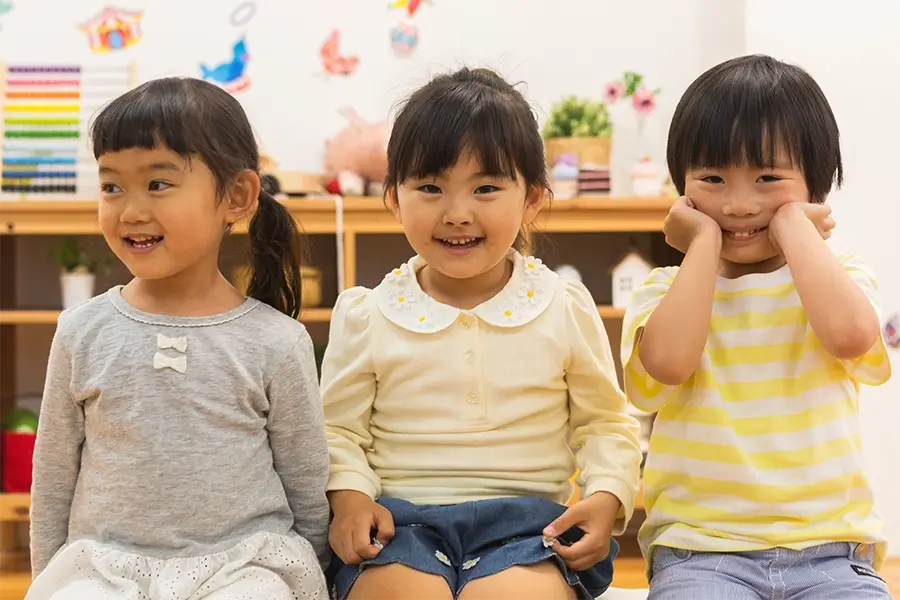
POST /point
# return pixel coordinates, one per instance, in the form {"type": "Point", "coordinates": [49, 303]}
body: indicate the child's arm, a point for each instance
{"type": "Point", "coordinates": [838, 310]}
{"type": "Point", "coordinates": [297, 437]}
{"type": "Point", "coordinates": [348, 392]}
{"type": "Point", "coordinates": [603, 434]}
{"type": "Point", "coordinates": [57, 456]}
{"type": "Point", "coordinates": [671, 343]}
{"type": "Point", "coordinates": [673, 338]}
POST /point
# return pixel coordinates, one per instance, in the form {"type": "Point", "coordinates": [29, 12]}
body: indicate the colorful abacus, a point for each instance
{"type": "Point", "coordinates": [46, 110]}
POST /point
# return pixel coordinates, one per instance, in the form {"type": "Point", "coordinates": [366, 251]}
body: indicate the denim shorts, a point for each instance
{"type": "Point", "coordinates": [467, 541]}
{"type": "Point", "coordinates": [836, 571]}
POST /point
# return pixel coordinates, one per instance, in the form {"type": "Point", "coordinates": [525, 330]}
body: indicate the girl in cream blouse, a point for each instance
{"type": "Point", "coordinates": [456, 390]}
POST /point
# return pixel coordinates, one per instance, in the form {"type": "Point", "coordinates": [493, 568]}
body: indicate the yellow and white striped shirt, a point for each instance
{"type": "Point", "coordinates": [761, 447]}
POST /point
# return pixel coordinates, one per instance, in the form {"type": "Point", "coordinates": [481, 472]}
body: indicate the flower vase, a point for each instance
{"type": "Point", "coordinates": [646, 175]}
{"type": "Point", "coordinates": [77, 287]}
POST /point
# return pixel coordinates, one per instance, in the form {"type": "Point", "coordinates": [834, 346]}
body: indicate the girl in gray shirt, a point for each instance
{"type": "Point", "coordinates": [181, 451]}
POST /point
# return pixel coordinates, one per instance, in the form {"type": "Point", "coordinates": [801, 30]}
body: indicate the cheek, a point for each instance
{"type": "Point", "coordinates": [108, 219]}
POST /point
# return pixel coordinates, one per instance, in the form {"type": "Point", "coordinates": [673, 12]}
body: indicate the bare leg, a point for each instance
{"type": "Point", "coordinates": [397, 582]}
{"type": "Point", "coordinates": [537, 582]}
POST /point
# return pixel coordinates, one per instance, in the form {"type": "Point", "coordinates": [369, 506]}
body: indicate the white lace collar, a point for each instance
{"type": "Point", "coordinates": [526, 295]}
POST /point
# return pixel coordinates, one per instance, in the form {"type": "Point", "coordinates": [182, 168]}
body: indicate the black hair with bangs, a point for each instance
{"type": "Point", "coordinates": [198, 120]}
{"type": "Point", "coordinates": [747, 109]}
{"type": "Point", "coordinates": [469, 110]}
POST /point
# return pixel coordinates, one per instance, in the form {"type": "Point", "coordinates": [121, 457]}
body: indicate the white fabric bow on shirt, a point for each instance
{"type": "Point", "coordinates": [176, 363]}
{"type": "Point", "coordinates": [176, 343]}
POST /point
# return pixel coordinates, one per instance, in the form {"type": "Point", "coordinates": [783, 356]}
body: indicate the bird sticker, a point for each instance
{"type": "Point", "coordinates": [230, 75]}
{"type": "Point", "coordinates": [333, 61]}
{"type": "Point", "coordinates": [411, 6]}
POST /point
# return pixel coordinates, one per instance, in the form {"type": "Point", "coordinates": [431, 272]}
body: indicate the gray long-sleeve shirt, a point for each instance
{"type": "Point", "coordinates": [178, 436]}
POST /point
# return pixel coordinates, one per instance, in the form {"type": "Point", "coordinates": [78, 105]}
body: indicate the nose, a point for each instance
{"type": "Point", "coordinates": [740, 205]}
{"type": "Point", "coordinates": [136, 210]}
{"type": "Point", "coordinates": [458, 213]}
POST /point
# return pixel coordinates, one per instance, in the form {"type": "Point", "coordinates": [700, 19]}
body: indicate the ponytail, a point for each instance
{"type": "Point", "coordinates": [276, 256]}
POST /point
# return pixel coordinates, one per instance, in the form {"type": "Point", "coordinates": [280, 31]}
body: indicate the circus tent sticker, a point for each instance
{"type": "Point", "coordinates": [113, 29]}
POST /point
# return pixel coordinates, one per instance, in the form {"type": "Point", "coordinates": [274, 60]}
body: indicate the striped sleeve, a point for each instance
{"type": "Point", "coordinates": [874, 367]}
{"type": "Point", "coordinates": [644, 392]}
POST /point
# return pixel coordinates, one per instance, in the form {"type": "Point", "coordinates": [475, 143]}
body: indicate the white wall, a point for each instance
{"type": "Point", "coordinates": [854, 54]}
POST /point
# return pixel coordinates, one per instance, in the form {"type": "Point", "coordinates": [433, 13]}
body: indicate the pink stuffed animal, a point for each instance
{"type": "Point", "coordinates": [359, 149]}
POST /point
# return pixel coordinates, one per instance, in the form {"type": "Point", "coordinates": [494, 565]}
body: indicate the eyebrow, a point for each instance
{"type": "Point", "coordinates": [156, 166]}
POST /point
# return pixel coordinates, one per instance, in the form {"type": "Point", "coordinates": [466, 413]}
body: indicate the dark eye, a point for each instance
{"type": "Point", "coordinates": [712, 179]}
{"type": "Point", "coordinates": [487, 189]}
{"type": "Point", "coordinates": [159, 186]}
{"type": "Point", "coordinates": [110, 188]}
{"type": "Point", "coordinates": [429, 189]}
{"type": "Point", "coordinates": [769, 178]}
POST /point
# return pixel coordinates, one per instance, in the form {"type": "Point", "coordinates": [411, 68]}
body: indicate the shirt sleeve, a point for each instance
{"type": "Point", "coordinates": [297, 437]}
{"type": "Point", "coordinates": [873, 367]}
{"type": "Point", "coordinates": [348, 392]}
{"type": "Point", "coordinates": [603, 434]}
{"type": "Point", "coordinates": [644, 392]}
{"type": "Point", "coordinates": [57, 455]}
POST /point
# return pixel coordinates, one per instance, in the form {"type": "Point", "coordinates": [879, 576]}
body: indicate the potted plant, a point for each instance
{"type": "Point", "coordinates": [78, 271]}
{"type": "Point", "coordinates": [581, 127]}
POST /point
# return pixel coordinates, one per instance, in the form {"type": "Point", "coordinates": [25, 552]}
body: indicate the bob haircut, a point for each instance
{"type": "Point", "coordinates": [468, 111]}
{"type": "Point", "coordinates": [748, 109]}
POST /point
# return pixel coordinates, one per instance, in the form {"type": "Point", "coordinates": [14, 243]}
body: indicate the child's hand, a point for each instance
{"type": "Point", "coordinates": [356, 516]}
{"type": "Point", "coordinates": [791, 213]}
{"type": "Point", "coordinates": [596, 516]}
{"type": "Point", "coordinates": [684, 223]}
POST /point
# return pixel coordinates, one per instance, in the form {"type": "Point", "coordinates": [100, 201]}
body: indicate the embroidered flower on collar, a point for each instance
{"type": "Point", "coordinates": [528, 294]}
{"type": "Point", "coordinates": [398, 275]}
{"type": "Point", "coordinates": [402, 301]}
{"type": "Point", "coordinates": [534, 266]}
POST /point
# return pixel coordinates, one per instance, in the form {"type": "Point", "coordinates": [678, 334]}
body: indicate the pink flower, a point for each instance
{"type": "Point", "coordinates": [643, 101]}
{"type": "Point", "coordinates": [614, 91]}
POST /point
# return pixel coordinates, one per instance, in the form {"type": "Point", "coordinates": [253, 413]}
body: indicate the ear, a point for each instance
{"type": "Point", "coordinates": [243, 197]}
{"type": "Point", "coordinates": [393, 203]}
{"type": "Point", "coordinates": [534, 201]}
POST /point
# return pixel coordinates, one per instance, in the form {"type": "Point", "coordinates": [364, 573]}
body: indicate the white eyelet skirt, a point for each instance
{"type": "Point", "coordinates": [265, 566]}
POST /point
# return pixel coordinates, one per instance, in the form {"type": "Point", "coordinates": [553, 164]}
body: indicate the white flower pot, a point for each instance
{"type": "Point", "coordinates": [76, 288]}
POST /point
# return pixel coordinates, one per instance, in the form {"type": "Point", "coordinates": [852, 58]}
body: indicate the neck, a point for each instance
{"type": "Point", "coordinates": [731, 270]}
{"type": "Point", "coordinates": [191, 293]}
{"type": "Point", "coordinates": [465, 294]}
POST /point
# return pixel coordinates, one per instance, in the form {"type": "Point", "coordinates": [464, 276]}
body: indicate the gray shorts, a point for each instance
{"type": "Point", "coordinates": [838, 571]}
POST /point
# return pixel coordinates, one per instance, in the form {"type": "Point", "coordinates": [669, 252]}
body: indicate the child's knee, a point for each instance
{"type": "Point", "coordinates": [398, 582]}
{"type": "Point", "coordinates": [543, 580]}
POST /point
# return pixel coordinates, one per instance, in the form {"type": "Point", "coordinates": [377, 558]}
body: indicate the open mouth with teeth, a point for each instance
{"type": "Point", "coordinates": [744, 235]}
{"type": "Point", "coordinates": [460, 243]}
{"type": "Point", "coordinates": [143, 242]}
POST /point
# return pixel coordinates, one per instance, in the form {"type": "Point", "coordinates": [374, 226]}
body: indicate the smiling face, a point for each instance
{"type": "Point", "coordinates": [158, 212]}
{"type": "Point", "coordinates": [463, 222]}
{"type": "Point", "coordinates": [742, 200]}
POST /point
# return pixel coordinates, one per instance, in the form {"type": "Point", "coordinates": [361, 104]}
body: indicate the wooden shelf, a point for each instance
{"type": "Point", "coordinates": [316, 215]}
{"type": "Point", "coordinates": [309, 315]}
